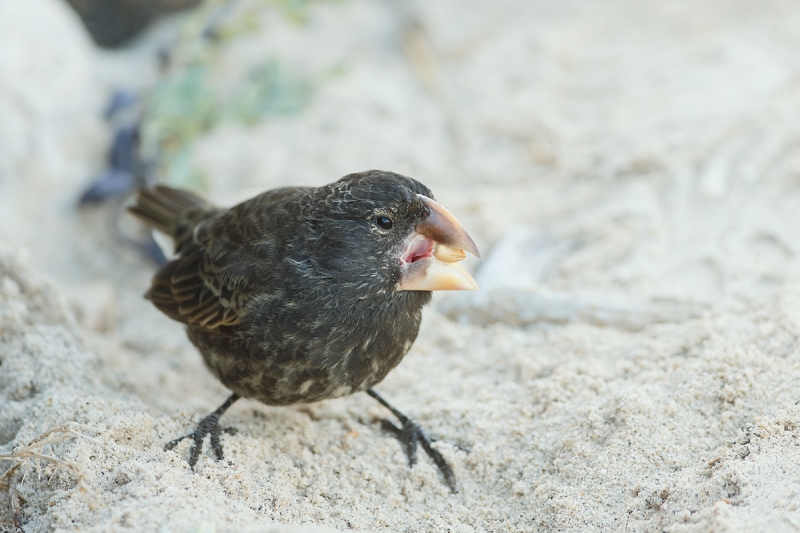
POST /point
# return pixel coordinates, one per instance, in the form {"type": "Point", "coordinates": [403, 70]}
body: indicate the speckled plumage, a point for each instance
{"type": "Point", "coordinates": [291, 296]}
{"type": "Point", "coordinates": [301, 294]}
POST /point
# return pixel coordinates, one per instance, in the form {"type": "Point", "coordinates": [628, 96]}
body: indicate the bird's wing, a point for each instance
{"type": "Point", "coordinates": [207, 285]}
{"type": "Point", "coordinates": [197, 290]}
{"type": "Point", "coordinates": [230, 259]}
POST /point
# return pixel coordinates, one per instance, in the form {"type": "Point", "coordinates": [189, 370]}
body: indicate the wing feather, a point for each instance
{"type": "Point", "coordinates": [199, 290]}
{"type": "Point", "coordinates": [225, 260]}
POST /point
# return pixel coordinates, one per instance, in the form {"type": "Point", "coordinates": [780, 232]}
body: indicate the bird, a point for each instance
{"type": "Point", "coordinates": [302, 294]}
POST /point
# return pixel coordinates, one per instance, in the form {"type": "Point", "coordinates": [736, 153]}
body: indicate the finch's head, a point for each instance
{"type": "Point", "coordinates": [384, 232]}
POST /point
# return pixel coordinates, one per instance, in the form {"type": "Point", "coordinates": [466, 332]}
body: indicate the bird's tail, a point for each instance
{"type": "Point", "coordinates": [160, 207]}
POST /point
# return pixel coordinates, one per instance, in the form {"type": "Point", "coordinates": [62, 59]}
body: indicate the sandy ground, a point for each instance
{"type": "Point", "coordinates": [631, 173]}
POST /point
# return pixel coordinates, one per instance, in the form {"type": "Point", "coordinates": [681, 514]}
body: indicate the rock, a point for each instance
{"type": "Point", "coordinates": [525, 307]}
{"type": "Point", "coordinates": [47, 98]}
{"type": "Point", "coordinates": [513, 291]}
{"type": "Point", "coordinates": [522, 259]}
{"type": "Point", "coordinates": [51, 134]}
{"type": "Point", "coordinates": [113, 22]}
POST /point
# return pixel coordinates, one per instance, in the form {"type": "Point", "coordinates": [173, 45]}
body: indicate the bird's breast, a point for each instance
{"type": "Point", "coordinates": [306, 353]}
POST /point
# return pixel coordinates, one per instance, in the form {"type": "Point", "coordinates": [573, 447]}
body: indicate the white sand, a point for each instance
{"type": "Point", "coordinates": [643, 377]}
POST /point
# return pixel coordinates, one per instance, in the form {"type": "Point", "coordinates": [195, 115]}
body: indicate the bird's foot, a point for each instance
{"type": "Point", "coordinates": [411, 436]}
{"type": "Point", "coordinates": [207, 426]}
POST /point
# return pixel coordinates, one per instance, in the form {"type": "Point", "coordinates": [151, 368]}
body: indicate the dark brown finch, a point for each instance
{"type": "Point", "coordinates": [302, 294]}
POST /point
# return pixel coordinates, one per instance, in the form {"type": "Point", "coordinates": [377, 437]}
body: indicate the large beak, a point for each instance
{"type": "Point", "coordinates": [433, 250]}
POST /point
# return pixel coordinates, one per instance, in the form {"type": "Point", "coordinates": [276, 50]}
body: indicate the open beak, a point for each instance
{"type": "Point", "coordinates": [433, 250]}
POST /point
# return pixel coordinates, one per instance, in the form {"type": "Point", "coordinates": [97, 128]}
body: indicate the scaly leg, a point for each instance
{"type": "Point", "coordinates": [410, 435]}
{"type": "Point", "coordinates": [207, 426]}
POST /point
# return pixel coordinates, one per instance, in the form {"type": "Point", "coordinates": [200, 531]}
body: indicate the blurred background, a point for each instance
{"type": "Point", "coordinates": [620, 164]}
{"type": "Point", "coordinates": [629, 155]}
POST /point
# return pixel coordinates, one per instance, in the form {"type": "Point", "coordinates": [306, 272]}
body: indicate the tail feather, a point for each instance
{"type": "Point", "coordinates": [159, 207]}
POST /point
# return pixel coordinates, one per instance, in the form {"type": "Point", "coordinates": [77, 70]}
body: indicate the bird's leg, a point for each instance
{"type": "Point", "coordinates": [410, 434]}
{"type": "Point", "coordinates": [207, 426]}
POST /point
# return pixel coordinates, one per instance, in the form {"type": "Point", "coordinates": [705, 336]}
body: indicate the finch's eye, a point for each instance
{"type": "Point", "coordinates": [384, 222]}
